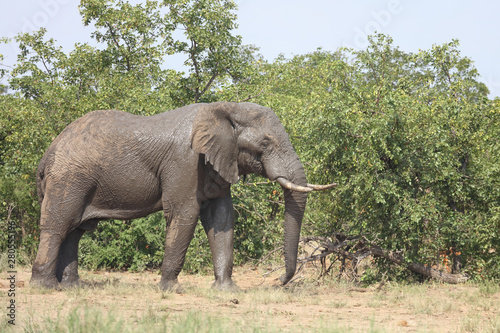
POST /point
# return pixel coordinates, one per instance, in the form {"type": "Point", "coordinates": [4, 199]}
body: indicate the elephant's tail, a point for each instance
{"type": "Point", "coordinates": [40, 179]}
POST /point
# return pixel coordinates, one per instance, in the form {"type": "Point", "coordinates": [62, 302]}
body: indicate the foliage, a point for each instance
{"type": "Point", "coordinates": [21, 148]}
{"type": "Point", "coordinates": [259, 212]}
{"type": "Point", "coordinates": [135, 244]}
{"type": "Point", "coordinates": [52, 88]}
{"type": "Point", "coordinates": [411, 138]}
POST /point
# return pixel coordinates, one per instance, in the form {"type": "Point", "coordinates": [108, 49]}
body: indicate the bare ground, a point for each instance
{"type": "Point", "coordinates": [262, 305]}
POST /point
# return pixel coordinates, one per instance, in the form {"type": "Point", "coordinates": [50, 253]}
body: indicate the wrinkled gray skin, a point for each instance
{"type": "Point", "coordinates": [115, 165]}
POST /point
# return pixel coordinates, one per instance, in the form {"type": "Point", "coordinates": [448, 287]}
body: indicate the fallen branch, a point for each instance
{"type": "Point", "coordinates": [364, 249]}
{"type": "Point", "coordinates": [420, 268]}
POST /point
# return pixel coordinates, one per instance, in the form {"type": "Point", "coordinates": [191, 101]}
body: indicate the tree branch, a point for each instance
{"type": "Point", "coordinates": [419, 268]}
{"type": "Point", "coordinates": [252, 97]}
{"type": "Point", "coordinates": [114, 36]}
{"type": "Point", "coordinates": [207, 86]}
{"type": "Point", "coordinates": [364, 250]}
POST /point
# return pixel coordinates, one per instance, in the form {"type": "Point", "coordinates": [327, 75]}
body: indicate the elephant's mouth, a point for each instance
{"type": "Point", "coordinates": [285, 183]}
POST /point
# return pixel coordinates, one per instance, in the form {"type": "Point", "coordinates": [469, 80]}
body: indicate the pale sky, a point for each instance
{"type": "Point", "coordinates": [296, 27]}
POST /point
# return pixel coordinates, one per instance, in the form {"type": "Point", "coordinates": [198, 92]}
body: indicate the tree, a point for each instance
{"type": "Point", "coordinates": [135, 34]}
{"type": "Point", "coordinates": [411, 138]}
{"type": "Point", "coordinates": [127, 72]}
{"type": "Point", "coordinates": [404, 136]}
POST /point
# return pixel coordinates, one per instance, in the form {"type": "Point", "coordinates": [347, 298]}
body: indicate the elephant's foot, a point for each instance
{"type": "Point", "coordinates": [70, 283]}
{"type": "Point", "coordinates": [70, 277]}
{"type": "Point", "coordinates": [226, 285]}
{"type": "Point", "coordinates": [49, 283]}
{"type": "Point", "coordinates": [171, 286]}
{"type": "Point", "coordinates": [52, 282]}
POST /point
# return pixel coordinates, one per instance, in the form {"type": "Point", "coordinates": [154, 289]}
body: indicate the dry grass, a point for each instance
{"type": "Point", "coordinates": [132, 302]}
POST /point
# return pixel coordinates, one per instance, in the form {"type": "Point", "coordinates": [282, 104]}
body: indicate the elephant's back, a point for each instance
{"type": "Point", "coordinates": [91, 140]}
{"type": "Point", "coordinates": [99, 122]}
{"type": "Point", "coordinates": [110, 137]}
{"type": "Point", "coordinates": [94, 124]}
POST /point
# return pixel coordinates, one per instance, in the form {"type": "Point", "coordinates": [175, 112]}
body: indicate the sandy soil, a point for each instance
{"type": "Point", "coordinates": [261, 303]}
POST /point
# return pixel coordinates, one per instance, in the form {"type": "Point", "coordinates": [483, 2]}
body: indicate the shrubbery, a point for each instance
{"type": "Point", "coordinates": [411, 139]}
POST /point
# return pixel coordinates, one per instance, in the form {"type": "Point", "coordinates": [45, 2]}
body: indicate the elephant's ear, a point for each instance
{"type": "Point", "coordinates": [214, 135]}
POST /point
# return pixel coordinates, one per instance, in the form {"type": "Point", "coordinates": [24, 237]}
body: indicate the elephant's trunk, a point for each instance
{"type": "Point", "coordinates": [295, 204]}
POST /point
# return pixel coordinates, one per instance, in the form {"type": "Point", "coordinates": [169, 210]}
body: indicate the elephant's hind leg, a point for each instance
{"type": "Point", "coordinates": [67, 263]}
{"type": "Point", "coordinates": [61, 214]}
{"type": "Point", "coordinates": [44, 267]}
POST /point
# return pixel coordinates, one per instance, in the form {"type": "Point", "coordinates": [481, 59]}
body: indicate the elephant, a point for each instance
{"type": "Point", "coordinates": [111, 164]}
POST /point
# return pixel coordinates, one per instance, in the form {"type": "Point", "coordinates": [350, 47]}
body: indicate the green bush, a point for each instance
{"type": "Point", "coordinates": [133, 245]}
{"type": "Point", "coordinates": [411, 138]}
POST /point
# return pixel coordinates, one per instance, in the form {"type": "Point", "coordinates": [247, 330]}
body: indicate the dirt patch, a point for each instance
{"type": "Point", "coordinates": [263, 305]}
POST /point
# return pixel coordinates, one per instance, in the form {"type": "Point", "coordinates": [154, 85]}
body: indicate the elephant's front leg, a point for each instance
{"type": "Point", "coordinates": [180, 231]}
{"type": "Point", "coordinates": [217, 217]}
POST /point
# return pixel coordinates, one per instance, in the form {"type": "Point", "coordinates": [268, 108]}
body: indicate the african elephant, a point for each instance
{"type": "Point", "coordinates": [115, 165]}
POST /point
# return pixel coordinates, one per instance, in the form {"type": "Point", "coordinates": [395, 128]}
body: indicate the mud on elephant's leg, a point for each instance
{"type": "Point", "coordinates": [217, 217]}
{"type": "Point", "coordinates": [44, 267]}
{"type": "Point", "coordinates": [180, 232]}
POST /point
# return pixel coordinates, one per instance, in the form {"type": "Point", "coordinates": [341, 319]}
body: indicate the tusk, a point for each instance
{"type": "Point", "coordinates": [310, 187]}
{"type": "Point", "coordinates": [291, 186]}
{"type": "Point", "coordinates": [321, 187]}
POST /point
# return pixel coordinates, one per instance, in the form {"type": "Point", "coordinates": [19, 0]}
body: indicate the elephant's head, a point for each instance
{"type": "Point", "coordinates": [239, 139]}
